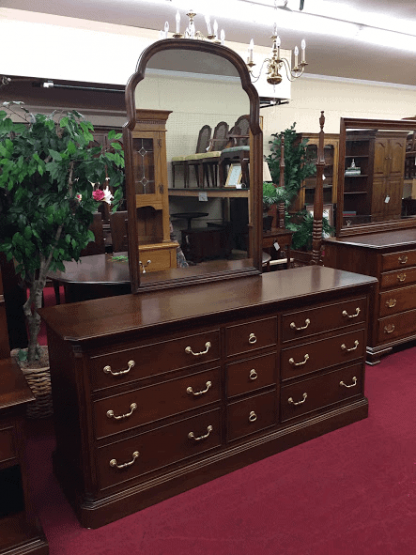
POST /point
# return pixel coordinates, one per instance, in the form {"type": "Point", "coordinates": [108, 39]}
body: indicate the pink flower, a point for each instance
{"type": "Point", "coordinates": [78, 197]}
{"type": "Point", "coordinates": [98, 194]}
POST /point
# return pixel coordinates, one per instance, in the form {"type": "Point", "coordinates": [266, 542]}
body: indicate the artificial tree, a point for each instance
{"type": "Point", "coordinates": [51, 180]}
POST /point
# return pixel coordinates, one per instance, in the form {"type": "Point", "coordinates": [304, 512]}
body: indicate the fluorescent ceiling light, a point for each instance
{"type": "Point", "coordinates": [387, 39]}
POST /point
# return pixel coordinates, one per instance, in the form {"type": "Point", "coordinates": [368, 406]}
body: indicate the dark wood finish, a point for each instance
{"type": "Point", "coordinates": [256, 147]}
{"type": "Point", "coordinates": [203, 366]}
{"type": "Point", "coordinates": [383, 173]}
{"type": "Point", "coordinates": [391, 258]}
{"type": "Point", "coordinates": [20, 531]}
{"type": "Point", "coordinates": [97, 246]}
{"type": "Point", "coordinates": [4, 337]}
{"type": "Point", "coordinates": [205, 243]}
{"type": "Point", "coordinates": [118, 226]}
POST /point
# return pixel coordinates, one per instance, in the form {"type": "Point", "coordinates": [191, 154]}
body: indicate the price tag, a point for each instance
{"type": "Point", "coordinates": [276, 246]}
{"type": "Point", "coordinates": [203, 197]}
{"type": "Point", "coordinates": [387, 199]}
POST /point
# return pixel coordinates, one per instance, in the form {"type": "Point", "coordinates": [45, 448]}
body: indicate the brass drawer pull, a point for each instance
{"type": "Point", "coordinates": [292, 402]}
{"type": "Point", "coordinates": [113, 462]}
{"type": "Point", "coordinates": [190, 391]}
{"type": "Point", "coordinates": [354, 383]}
{"type": "Point", "coordinates": [391, 303]}
{"type": "Point", "coordinates": [130, 364]}
{"type": "Point", "coordinates": [304, 361]}
{"type": "Point", "coordinates": [344, 347]}
{"type": "Point", "coordinates": [252, 417]}
{"type": "Point", "coordinates": [389, 328]}
{"type": "Point", "coordinates": [253, 375]}
{"type": "Point", "coordinates": [252, 339]}
{"type": "Point", "coordinates": [189, 350]}
{"type": "Point", "coordinates": [144, 265]}
{"type": "Point", "coordinates": [401, 277]}
{"type": "Point", "coordinates": [293, 325]}
{"type": "Point", "coordinates": [110, 413]}
{"type": "Point", "coordinates": [403, 259]}
{"type": "Point", "coordinates": [191, 435]}
{"type": "Point", "coordinates": [357, 312]}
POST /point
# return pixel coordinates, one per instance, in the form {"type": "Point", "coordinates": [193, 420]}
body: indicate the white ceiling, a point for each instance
{"type": "Point", "coordinates": [327, 55]}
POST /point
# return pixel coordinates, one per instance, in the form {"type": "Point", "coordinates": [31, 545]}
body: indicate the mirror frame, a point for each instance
{"type": "Point", "coordinates": [379, 124]}
{"type": "Point", "coordinates": [256, 157]}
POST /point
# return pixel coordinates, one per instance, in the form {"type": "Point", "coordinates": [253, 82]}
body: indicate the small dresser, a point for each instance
{"type": "Point", "coordinates": [391, 258]}
{"type": "Point", "coordinates": [157, 393]}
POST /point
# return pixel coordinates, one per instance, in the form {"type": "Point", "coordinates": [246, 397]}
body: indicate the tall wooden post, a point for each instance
{"type": "Point", "coordinates": [319, 198]}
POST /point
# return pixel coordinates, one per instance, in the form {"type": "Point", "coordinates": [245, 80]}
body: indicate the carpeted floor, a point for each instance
{"type": "Point", "coordinates": [352, 491]}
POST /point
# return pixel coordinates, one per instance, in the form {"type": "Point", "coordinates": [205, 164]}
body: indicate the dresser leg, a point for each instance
{"type": "Point", "coordinates": [374, 354]}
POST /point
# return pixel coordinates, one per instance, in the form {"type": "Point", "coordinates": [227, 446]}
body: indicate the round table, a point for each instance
{"type": "Point", "coordinates": [189, 216]}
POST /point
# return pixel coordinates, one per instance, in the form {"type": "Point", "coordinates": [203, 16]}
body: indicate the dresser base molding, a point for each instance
{"type": "Point", "coordinates": [97, 513]}
{"type": "Point", "coordinates": [374, 354]}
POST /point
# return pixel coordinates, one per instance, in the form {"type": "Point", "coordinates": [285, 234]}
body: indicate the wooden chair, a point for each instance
{"type": "Point", "coordinates": [238, 151]}
{"type": "Point", "coordinates": [202, 145]}
{"type": "Point", "coordinates": [118, 225]}
{"type": "Point", "coordinates": [210, 160]}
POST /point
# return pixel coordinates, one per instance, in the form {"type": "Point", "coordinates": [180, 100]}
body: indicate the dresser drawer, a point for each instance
{"type": "Point", "coordinates": [125, 411]}
{"type": "Point", "coordinates": [251, 415]}
{"type": "Point", "coordinates": [133, 457]}
{"type": "Point", "coordinates": [7, 444]}
{"type": "Point", "coordinates": [308, 321]}
{"type": "Point", "coordinates": [252, 335]}
{"type": "Point", "coordinates": [398, 260]}
{"type": "Point", "coordinates": [310, 357]}
{"type": "Point", "coordinates": [321, 391]}
{"type": "Point", "coordinates": [126, 365]}
{"type": "Point", "coordinates": [397, 300]}
{"type": "Point", "coordinates": [252, 374]}
{"type": "Point", "coordinates": [398, 277]}
{"type": "Point", "coordinates": [399, 325]}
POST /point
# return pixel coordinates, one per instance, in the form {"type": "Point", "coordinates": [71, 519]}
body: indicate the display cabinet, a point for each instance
{"type": "Point", "coordinates": [331, 148]}
{"type": "Point", "coordinates": [156, 250]}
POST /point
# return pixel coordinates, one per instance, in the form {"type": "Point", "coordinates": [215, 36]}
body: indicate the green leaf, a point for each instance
{"type": "Point", "coordinates": [55, 155]}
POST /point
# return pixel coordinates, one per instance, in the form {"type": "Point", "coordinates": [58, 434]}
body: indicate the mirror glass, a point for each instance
{"type": "Point", "coordinates": [187, 106]}
{"type": "Point", "coordinates": [377, 175]}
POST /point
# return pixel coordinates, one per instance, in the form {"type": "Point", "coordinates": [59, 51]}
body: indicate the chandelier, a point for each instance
{"type": "Point", "coordinates": [191, 32]}
{"type": "Point", "coordinates": [276, 62]}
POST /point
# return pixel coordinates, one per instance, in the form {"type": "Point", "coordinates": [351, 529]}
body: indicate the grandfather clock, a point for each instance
{"type": "Point", "coordinates": [156, 250]}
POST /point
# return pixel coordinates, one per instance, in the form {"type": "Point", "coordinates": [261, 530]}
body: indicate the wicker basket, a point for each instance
{"type": "Point", "coordinates": [39, 381]}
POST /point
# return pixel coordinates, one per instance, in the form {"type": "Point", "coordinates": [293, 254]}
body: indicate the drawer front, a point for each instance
{"type": "Point", "coordinates": [251, 415]}
{"type": "Point", "coordinates": [400, 325]}
{"type": "Point", "coordinates": [310, 357]}
{"type": "Point", "coordinates": [397, 260]}
{"type": "Point", "coordinates": [125, 411]}
{"type": "Point", "coordinates": [398, 277]}
{"type": "Point", "coordinates": [7, 445]}
{"type": "Point", "coordinates": [160, 259]}
{"type": "Point", "coordinates": [126, 365]}
{"type": "Point", "coordinates": [397, 300]}
{"type": "Point", "coordinates": [321, 391]}
{"type": "Point", "coordinates": [252, 374]}
{"type": "Point", "coordinates": [309, 321]}
{"type": "Point", "coordinates": [133, 457]}
{"type": "Point", "coordinates": [252, 335]}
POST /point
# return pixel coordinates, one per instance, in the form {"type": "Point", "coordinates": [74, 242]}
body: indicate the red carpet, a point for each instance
{"type": "Point", "coordinates": [349, 492]}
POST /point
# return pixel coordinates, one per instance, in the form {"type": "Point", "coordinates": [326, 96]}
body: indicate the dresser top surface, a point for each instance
{"type": "Point", "coordinates": [115, 315]}
{"type": "Point", "coordinates": [13, 386]}
{"type": "Point", "coordinates": [382, 240]}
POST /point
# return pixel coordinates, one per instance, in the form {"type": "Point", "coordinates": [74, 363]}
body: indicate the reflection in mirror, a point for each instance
{"type": "Point", "coordinates": [377, 177]}
{"type": "Point", "coordinates": [191, 164]}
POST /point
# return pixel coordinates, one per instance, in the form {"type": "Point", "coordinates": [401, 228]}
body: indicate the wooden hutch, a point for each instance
{"type": "Point", "coordinates": [372, 236]}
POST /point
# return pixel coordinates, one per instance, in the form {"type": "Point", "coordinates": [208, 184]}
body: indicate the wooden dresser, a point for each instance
{"type": "Point", "coordinates": [157, 393]}
{"type": "Point", "coordinates": [390, 257]}
{"type": "Point", "coordinates": [20, 531]}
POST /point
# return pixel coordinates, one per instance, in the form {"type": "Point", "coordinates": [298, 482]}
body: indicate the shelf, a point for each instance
{"type": "Point", "coordinates": [355, 193]}
{"type": "Point", "coordinates": [357, 156]}
{"type": "Point", "coordinates": [355, 176]}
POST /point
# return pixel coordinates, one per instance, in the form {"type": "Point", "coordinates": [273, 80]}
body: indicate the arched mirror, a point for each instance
{"type": "Point", "coordinates": [193, 151]}
{"type": "Point", "coordinates": [377, 176]}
